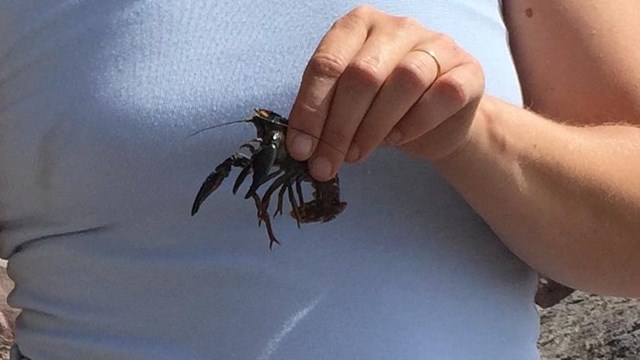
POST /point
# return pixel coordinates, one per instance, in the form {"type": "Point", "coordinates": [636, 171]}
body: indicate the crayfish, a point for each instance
{"type": "Point", "coordinates": [269, 160]}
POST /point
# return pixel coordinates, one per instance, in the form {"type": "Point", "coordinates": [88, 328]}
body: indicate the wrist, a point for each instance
{"type": "Point", "coordinates": [482, 128]}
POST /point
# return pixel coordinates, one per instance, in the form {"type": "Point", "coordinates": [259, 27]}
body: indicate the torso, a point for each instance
{"type": "Point", "coordinates": [98, 173]}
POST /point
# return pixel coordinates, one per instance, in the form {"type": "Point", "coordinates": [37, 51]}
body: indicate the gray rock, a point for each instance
{"type": "Point", "coordinates": [589, 327]}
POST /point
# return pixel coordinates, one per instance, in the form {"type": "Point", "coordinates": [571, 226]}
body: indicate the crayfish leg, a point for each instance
{"type": "Point", "coordinates": [240, 179]}
{"type": "Point", "coordinates": [299, 179]}
{"type": "Point", "coordinates": [256, 199]}
{"type": "Point", "coordinates": [262, 163]}
{"type": "Point", "coordinates": [280, 201]}
{"type": "Point", "coordinates": [250, 146]}
{"type": "Point", "coordinates": [294, 205]}
{"type": "Point", "coordinates": [281, 181]}
{"type": "Point", "coordinates": [264, 216]}
{"type": "Point", "coordinates": [272, 237]}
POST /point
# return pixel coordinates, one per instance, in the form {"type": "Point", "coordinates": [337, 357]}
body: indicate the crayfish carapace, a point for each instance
{"type": "Point", "coordinates": [269, 160]}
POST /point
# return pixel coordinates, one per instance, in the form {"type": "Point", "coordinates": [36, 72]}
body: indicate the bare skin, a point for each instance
{"type": "Point", "coordinates": [561, 189]}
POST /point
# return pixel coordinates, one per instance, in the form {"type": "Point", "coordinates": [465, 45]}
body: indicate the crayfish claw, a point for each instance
{"type": "Point", "coordinates": [212, 182]}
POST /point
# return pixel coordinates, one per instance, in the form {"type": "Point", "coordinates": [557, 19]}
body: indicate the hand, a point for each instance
{"type": "Point", "coordinates": [372, 81]}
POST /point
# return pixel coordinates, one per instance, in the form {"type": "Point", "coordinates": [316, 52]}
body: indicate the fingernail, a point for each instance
{"type": "Point", "coordinates": [301, 147]}
{"type": "Point", "coordinates": [394, 137]}
{"type": "Point", "coordinates": [353, 153]}
{"type": "Point", "coordinates": [321, 168]}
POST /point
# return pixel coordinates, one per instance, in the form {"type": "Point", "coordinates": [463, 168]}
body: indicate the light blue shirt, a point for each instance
{"type": "Point", "coordinates": [98, 173]}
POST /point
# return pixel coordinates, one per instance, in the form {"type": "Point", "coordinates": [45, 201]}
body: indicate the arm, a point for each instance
{"type": "Point", "coordinates": [565, 199]}
{"type": "Point", "coordinates": [563, 196]}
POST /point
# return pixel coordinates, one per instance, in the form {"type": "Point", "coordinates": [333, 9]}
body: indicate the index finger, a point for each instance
{"type": "Point", "coordinates": [332, 56]}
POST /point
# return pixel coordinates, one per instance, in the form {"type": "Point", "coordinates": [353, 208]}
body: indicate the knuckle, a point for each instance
{"type": "Point", "coordinates": [327, 65]}
{"type": "Point", "coordinates": [356, 18]}
{"type": "Point", "coordinates": [414, 74]}
{"type": "Point", "coordinates": [477, 71]}
{"type": "Point", "coordinates": [366, 71]}
{"type": "Point", "coordinates": [347, 23]}
{"type": "Point", "coordinates": [407, 24]}
{"type": "Point", "coordinates": [454, 89]}
{"type": "Point", "coordinates": [443, 40]}
{"type": "Point", "coordinates": [362, 11]}
{"type": "Point", "coordinates": [447, 44]}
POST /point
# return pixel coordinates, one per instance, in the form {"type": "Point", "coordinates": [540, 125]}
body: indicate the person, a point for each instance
{"type": "Point", "coordinates": [459, 191]}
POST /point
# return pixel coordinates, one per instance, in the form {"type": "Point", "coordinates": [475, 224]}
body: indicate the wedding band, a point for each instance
{"type": "Point", "coordinates": [435, 59]}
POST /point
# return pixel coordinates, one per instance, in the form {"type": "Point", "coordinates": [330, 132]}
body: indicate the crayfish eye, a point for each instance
{"type": "Point", "coordinates": [278, 136]}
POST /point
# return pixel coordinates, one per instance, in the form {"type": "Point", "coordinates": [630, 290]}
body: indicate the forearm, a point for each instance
{"type": "Point", "coordinates": [565, 199]}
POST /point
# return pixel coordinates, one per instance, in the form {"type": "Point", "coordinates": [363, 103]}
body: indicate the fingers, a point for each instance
{"type": "Point", "coordinates": [331, 58]}
{"type": "Point", "coordinates": [414, 74]}
{"type": "Point", "coordinates": [448, 95]}
{"type": "Point", "coordinates": [355, 92]}
{"type": "Point", "coordinates": [373, 78]}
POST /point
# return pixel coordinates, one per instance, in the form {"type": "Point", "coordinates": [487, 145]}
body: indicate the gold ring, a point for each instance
{"type": "Point", "coordinates": [435, 59]}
